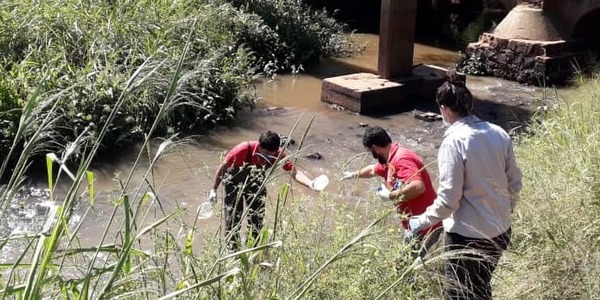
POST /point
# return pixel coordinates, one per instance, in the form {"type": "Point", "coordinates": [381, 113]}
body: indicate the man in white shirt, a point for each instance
{"type": "Point", "coordinates": [479, 182]}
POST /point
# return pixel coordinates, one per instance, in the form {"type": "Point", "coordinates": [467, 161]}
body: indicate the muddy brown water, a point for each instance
{"type": "Point", "coordinates": [183, 177]}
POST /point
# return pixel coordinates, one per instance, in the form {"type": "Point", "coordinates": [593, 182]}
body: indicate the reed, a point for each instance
{"type": "Point", "coordinates": [555, 242]}
{"type": "Point", "coordinates": [155, 257]}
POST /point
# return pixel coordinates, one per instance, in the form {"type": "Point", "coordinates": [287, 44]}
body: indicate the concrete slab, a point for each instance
{"type": "Point", "coordinates": [362, 92]}
{"type": "Point", "coordinates": [367, 93]}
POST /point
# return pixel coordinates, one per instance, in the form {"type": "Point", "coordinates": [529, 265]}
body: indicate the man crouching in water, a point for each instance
{"type": "Point", "coordinates": [243, 173]}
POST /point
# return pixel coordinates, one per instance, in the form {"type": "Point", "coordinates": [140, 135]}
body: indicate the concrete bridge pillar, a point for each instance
{"type": "Point", "coordinates": [398, 83]}
{"type": "Point", "coordinates": [396, 38]}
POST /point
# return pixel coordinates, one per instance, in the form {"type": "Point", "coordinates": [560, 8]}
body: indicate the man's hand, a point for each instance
{"type": "Point", "coordinates": [383, 192]}
{"type": "Point", "coordinates": [408, 236]}
{"type": "Point", "coordinates": [348, 175]}
{"type": "Point", "coordinates": [212, 196]}
{"type": "Point", "coordinates": [415, 225]}
{"type": "Point", "coordinates": [514, 198]}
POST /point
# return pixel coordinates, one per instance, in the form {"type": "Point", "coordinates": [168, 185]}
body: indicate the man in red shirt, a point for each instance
{"type": "Point", "coordinates": [407, 181]}
{"type": "Point", "coordinates": [243, 174]}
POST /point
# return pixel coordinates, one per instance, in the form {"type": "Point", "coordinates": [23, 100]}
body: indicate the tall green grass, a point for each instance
{"type": "Point", "coordinates": [556, 242]}
{"type": "Point", "coordinates": [90, 49]}
{"type": "Point", "coordinates": [347, 250]}
{"type": "Point", "coordinates": [146, 252]}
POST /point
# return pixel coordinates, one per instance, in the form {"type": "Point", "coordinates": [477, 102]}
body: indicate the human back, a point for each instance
{"type": "Point", "coordinates": [485, 149]}
{"type": "Point", "coordinates": [479, 182]}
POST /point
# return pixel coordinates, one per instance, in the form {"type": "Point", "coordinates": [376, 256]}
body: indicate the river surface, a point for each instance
{"type": "Point", "coordinates": [184, 175]}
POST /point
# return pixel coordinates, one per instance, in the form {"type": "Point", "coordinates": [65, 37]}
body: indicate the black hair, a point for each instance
{"type": "Point", "coordinates": [269, 140]}
{"type": "Point", "coordinates": [376, 136]}
{"type": "Point", "coordinates": [455, 95]}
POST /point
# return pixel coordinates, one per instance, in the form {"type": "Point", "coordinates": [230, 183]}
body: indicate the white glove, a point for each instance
{"type": "Point", "coordinates": [415, 225]}
{"type": "Point", "coordinates": [383, 192]}
{"type": "Point", "coordinates": [408, 235]}
{"type": "Point", "coordinates": [212, 196]}
{"type": "Point", "coordinates": [348, 175]}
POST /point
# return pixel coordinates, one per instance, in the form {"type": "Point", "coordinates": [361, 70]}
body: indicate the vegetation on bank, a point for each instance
{"type": "Point", "coordinates": [316, 247]}
{"type": "Point", "coordinates": [347, 251]}
{"type": "Point", "coordinates": [85, 56]}
{"type": "Point", "coordinates": [555, 253]}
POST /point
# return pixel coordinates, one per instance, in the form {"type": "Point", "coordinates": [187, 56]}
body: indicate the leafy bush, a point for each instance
{"type": "Point", "coordinates": [88, 51]}
{"type": "Point", "coordinates": [472, 64]}
{"type": "Point", "coordinates": [304, 34]}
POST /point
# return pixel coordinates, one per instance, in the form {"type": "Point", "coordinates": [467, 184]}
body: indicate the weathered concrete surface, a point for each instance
{"type": "Point", "coordinates": [362, 92]}
{"type": "Point", "coordinates": [396, 37]}
{"type": "Point", "coordinates": [530, 45]}
{"type": "Point", "coordinates": [368, 93]}
{"type": "Point", "coordinates": [527, 23]}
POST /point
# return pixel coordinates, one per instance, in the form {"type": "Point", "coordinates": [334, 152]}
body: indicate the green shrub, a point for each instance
{"type": "Point", "coordinates": [304, 34]}
{"type": "Point", "coordinates": [85, 51]}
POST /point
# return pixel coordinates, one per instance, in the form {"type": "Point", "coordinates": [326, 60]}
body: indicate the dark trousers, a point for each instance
{"type": "Point", "coordinates": [426, 242]}
{"type": "Point", "coordinates": [236, 199]}
{"type": "Point", "coordinates": [469, 276]}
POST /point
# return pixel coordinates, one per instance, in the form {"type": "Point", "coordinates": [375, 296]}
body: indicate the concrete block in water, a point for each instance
{"type": "Point", "coordinates": [367, 93]}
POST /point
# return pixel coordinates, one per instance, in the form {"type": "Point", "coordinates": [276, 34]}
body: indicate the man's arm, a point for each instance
{"type": "Point", "coordinates": [449, 193]}
{"type": "Point", "coordinates": [364, 172]}
{"type": "Point", "coordinates": [409, 191]}
{"type": "Point", "coordinates": [301, 177]}
{"type": "Point", "coordinates": [219, 175]}
{"type": "Point", "coordinates": [514, 175]}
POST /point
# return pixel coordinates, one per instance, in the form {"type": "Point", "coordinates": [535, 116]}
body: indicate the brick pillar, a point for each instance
{"type": "Point", "coordinates": [396, 38]}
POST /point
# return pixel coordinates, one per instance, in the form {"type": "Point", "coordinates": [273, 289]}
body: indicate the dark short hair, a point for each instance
{"type": "Point", "coordinates": [269, 140]}
{"type": "Point", "coordinates": [455, 95]}
{"type": "Point", "coordinates": [376, 136]}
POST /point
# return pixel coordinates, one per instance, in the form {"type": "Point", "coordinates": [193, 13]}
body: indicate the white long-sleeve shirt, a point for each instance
{"type": "Point", "coordinates": [478, 180]}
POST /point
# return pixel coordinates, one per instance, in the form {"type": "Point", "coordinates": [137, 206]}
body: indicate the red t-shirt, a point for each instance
{"type": "Point", "coordinates": [238, 156]}
{"type": "Point", "coordinates": [407, 166]}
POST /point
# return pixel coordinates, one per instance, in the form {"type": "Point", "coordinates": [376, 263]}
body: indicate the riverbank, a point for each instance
{"type": "Point", "coordinates": [125, 70]}
{"type": "Point", "coordinates": [163, 194]}
{"type": "Point", "coordinates": [129, 228]}
{"type": "Point", "coordinates": [556, 237]}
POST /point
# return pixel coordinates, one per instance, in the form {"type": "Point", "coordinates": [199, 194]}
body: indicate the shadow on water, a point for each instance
{"type": "Point", "coordinates": [508, 116]}
{"type": "Point", "coordinates": [440, 23]}
{"type": "Point", "coordinates": [336, 67]}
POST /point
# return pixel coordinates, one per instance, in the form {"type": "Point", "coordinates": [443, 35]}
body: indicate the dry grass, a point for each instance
{"type": "Point", "coordinates": [556, 241]}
